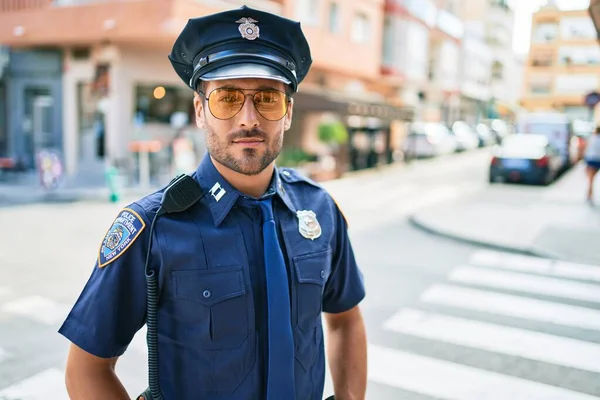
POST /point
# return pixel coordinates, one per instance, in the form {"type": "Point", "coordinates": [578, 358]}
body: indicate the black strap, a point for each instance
{"type": "Point", "coordinates": [147, 395]}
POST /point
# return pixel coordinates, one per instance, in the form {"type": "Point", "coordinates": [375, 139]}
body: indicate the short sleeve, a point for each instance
{"type": "Point", "coordinates": [112, 306]}
{"type": "Point", "coordinates": [345, 287]}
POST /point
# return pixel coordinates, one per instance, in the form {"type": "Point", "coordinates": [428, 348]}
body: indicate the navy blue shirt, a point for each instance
{"type": "Point", "coordinates": [212, 323]}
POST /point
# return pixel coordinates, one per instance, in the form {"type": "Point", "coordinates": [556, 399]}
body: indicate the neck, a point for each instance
{"type": "Point", "coordinates": [250, 185]}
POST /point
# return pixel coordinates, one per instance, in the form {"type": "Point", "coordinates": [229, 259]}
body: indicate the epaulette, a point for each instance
{"type": "Point", "coordinates": [290, 175]}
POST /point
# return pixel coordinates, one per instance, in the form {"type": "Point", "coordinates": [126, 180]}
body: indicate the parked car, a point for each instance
{"type": "Point", "coordinates": [558, 128]}
{"type": "Point", "coordinates": [527, 158]}
{"type": "Point", "coordinates": [485, 134]}
{"type": "Point", "coordinates": [429, 139]}
{"type": "Point", "coordinates": [466, 137]}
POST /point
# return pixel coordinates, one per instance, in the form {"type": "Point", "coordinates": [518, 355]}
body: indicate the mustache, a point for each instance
{"type": "Point", "coordinates": [251, 133]}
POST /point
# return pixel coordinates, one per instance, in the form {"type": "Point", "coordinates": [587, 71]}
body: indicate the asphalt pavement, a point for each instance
{"type": "Point", "coordinates": [445, 319]}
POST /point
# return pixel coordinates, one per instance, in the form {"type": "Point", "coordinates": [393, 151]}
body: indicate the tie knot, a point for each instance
{"type": "Point", "coordinates": [266, 208]}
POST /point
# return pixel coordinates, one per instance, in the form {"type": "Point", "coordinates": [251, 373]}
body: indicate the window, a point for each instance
{"type": "Point", "coordinates": [158, 103]}
{"type": "Point", "coordinates": [3, 135]}
{"type": "Point", "coordinates": [335, 25]}
{"type": "Point", "coordinates": [388, 42]}
{"type": "Point", "coordinates": [307, 12]}
{"type": "Point", "coordinates": [503, 4]}
{"type": "Point", "coordinates": [360, 28]}
{"type": "Point", "coordinates": [540, 84]}
{"type": "Point", "coordinates": [497, 70]}
{"type": "Point", "coordinates": [545, 32]}
{"type": "Point", "coordinates": [542, 58]}
{"type": "Point", "coordinates": [574, 28]}
{"type": "Point", "coordinates": [576, 84]}
{"type": "Point", "coordinates": [579, 55]}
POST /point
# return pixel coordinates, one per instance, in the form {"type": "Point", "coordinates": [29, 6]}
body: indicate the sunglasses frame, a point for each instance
{"type": "Point", "coordinates": [287, 98]}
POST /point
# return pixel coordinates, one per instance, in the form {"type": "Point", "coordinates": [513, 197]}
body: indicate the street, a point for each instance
{"type": "Point", "coordinates": [445, 320]}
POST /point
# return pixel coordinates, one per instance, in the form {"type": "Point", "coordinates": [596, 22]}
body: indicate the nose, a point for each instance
{"type": "Point", "coordinates": [248, 116]}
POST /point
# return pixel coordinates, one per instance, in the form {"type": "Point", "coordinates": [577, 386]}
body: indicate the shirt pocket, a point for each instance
{"type": "Point", "coordinates": [219, 302]}
{"type": "Point", "coordinates": [312, 271]}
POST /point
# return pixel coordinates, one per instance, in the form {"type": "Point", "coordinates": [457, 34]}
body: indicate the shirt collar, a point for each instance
{"type": "Point", "coordinates": [221, 196]}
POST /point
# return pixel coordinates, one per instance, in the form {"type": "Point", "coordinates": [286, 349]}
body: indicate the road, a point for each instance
{"type": "Point", "coordinates": [445, 320]}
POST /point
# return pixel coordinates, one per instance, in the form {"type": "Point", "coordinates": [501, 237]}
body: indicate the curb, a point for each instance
{"type": "Point", "coordinates": [528, 251]}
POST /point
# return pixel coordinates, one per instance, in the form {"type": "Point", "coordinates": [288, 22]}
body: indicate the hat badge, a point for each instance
{"type": "Point", "coordinates": [308, 225]}
{"type": "Point", "coordinates": [248, 29]}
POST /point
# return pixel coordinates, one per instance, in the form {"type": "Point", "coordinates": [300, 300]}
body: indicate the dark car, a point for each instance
{"type": "Point", "coordinates": [526, 158]}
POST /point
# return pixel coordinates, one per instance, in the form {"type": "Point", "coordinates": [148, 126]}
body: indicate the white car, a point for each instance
{"type": "Point", "coordinates": [466, 137]}
{"type": "Point", "coordinates": [429, 139]}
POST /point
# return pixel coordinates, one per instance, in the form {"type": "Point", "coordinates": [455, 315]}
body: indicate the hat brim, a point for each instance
{"type": "Point", "coordinates": [245, 71]}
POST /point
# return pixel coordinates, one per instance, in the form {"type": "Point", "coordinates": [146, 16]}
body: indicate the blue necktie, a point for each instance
{"type": "Point", "coordinates": [280, 377]}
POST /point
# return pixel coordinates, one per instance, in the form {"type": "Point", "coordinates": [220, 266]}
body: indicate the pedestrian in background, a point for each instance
{"type": "Point", "coordinates": [592, 160]}
{"type": "Point", "coordinates": [245, 273]}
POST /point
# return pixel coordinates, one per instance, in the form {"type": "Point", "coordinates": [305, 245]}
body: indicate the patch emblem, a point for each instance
{"type": "Point", "coordinates": [123, 232]}
{"type": "Point", "coordinates": [308, 225]}
{"type": "Point", "coordinates": [248, 29]}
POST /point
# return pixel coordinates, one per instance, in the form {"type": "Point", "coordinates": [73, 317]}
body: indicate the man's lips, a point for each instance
{"type": "Point", "coordinates": [248, 141]}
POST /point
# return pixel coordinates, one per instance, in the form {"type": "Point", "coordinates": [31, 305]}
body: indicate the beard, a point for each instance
{"type": "Point", "coordinates": [252, 161]}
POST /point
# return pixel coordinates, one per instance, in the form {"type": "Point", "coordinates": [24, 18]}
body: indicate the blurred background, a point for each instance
{"type": "Point", "coordinates": [450, 132]}
{"type": "Point", "coordinates": [91, 80]}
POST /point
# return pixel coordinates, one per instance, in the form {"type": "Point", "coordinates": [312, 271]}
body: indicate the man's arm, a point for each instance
{"type": "Point", "coordinates": [89, 377]}
{"type": "Point", "coordinates": [347, 353]}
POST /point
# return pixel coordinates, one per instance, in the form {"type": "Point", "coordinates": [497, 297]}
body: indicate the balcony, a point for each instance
{"type": "Point", "coordinates": [82, 22]}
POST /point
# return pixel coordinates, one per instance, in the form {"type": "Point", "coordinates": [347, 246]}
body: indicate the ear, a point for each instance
{"type": "Point", "coordinates": [199, 110]}
{"type": "Point", "coordinates": [287, 123]}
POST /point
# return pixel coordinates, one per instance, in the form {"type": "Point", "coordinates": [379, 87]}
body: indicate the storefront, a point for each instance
{"type": "Point", "coordinates": [33, 88]}
{"type": "Point", "coordinates": [373, 137]}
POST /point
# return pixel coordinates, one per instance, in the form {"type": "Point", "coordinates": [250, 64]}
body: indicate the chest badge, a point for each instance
{"type": "Point", "coordinates": [248, 29]}
{"type": "Point", "coordinates": [308, 225]}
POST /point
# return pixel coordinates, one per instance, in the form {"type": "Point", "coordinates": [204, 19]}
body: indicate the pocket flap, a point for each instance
{"type": "Point", "coordinates": [313, 268]}
{"type": "Point", "coordinates": [210, 286]}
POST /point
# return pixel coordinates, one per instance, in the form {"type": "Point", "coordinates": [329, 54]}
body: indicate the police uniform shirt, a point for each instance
{"type": "Point", "coordinates": [212, 322]}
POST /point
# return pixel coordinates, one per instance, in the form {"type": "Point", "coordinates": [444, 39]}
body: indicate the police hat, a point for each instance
{"type": "Point", "coordinates": [241, 43]}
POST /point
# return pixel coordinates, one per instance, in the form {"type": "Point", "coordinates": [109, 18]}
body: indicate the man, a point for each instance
{"type": "Point", "coordinates": [245, 273]}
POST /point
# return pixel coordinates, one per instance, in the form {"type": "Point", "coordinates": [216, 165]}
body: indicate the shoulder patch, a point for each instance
{"type": "Point", "coordinates": [290, 175]}
{"type": "Point", "coordinates": [126, 228]}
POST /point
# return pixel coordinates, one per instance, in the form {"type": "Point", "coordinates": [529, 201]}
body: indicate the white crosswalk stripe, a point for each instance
{"type": "Point", "coordinates": [512, 306]}
{"type": "Point", "coordinates": [489, 274]}
{"type": "Point", "coordinates": [516, 281]}
{"type": "Point", "coordinates": [496, 338]}
{"type": "Point", "coordinates": [561, 269]}
{"type": "Point", "coordinates": [451, 381]}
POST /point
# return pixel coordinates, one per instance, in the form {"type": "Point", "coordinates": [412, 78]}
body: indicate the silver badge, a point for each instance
{"type": "Point", "coordinates": [308, 225]}
{"type": "Point", "coordinates": [248, 29]}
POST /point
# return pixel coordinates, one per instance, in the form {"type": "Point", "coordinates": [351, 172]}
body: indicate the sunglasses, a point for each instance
{"type": "Point", "coordinates": [226, 103]}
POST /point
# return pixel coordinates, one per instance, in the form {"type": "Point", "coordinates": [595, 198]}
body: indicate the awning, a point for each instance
{"type": "Point", "coordinates": [367, 106]}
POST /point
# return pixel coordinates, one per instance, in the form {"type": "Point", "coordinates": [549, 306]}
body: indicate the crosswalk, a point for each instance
{"type": "Point", "coordinates": [509, 306]}
{"type": "Point", "coordinates": [501, 286]}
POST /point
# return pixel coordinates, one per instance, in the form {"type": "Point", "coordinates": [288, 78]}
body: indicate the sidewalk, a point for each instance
{"type": "Point", "coordinates": [552, 222]}
{"type": "Point", "coordinates": [28, 191]}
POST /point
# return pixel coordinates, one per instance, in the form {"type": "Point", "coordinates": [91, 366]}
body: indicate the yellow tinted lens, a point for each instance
{"type": "Point", "coordinates": [271, 104]}
{"type": "Point", "coordinates": [225, 103]}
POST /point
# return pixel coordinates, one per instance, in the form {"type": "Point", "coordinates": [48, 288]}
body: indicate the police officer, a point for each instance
{"type": "Point", "coordinates": [245, 273]}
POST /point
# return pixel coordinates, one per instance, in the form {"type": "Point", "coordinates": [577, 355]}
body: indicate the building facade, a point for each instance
{"type": "Point", "coordinates": [100, 68]}
{"type": "Point", "coordinates": [476, 71]}
{"type": "Point", "coordinates": [422, 41]}
{"type": "Point", "coordinates": [563, 64]}
{"type": "Point", "coordinates": [495, 20]}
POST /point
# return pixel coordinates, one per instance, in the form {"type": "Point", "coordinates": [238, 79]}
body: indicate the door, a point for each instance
{"type": "Point", "coordinates": [37, 122]}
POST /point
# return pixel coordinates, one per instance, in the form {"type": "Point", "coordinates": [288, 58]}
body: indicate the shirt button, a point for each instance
{"type": "Point", "coordinates": [286, 173]}
{"type": "Point", "coordinates": [322, 274]}
{"type": "Point", "coordinates": [206, 294]}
